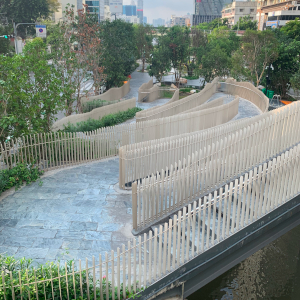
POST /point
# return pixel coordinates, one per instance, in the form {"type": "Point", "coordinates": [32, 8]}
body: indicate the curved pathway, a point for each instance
{"type": "Point", "coordinates": [76, 213]}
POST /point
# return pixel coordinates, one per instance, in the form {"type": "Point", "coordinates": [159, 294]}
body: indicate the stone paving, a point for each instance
{"type": "Point", "coordinates": [76, 213]}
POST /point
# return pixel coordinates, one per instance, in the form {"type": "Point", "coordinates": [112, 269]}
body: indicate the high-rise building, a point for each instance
{"type": "Point", "coordinates": [140, 10]}
{"type": "Point", "coordinates": [97, 8]}
{"type": "Point", "coordinates": [208, 10]}
{"type": "Point", "coordinates": [129, 10]}
{"type": "Point", "coordinates": [159, 22]}
{"type": "Point", "coordinates": [145, 20]}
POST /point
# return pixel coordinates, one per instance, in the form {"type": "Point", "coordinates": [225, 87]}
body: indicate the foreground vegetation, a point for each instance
{"type": "Point", "coordinates": [108, 120]}
{"type": "Point", "coordinates": [17, 175]}
{"type": "Point", "coordinates": [77, 286]}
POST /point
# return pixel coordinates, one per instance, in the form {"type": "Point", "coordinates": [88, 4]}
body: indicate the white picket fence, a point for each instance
{"type": "Point", "coordinates": [167, 190]}
{"type": "Point", "coordinates": [145, 260]}
{"type": "Point", "coordinates": [180, 106]}
{"type": "Point", "coordinates": [140, 160]}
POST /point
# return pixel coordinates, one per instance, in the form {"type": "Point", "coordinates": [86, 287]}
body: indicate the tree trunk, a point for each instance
{"type": "Point", "coordinates": [143, 67]}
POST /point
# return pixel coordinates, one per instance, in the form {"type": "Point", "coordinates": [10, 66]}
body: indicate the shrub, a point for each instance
{"type": "Point", "coordinates": [108, 120]}
{"type": "Point", "coordinates": [185, 90]}
{"type": "Point", "coordinates": [191, 77]}
{"type": "Point", "coordinates": [89, 106]}
{"type": "Point", "coordinates": [167, 94]}
{"type": "Point", "coordinates": [70, 285]}
{"type": "Point", "coordinates": [17, 175]}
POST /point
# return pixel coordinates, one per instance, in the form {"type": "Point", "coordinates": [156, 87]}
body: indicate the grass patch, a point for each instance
{"type": "Point", "coordinates": [89, 106]}
{"type": "Point", "coordinates": [191, 77]}
{"type": "Point", "coordinates": [166, 94]}
{"type": "Point", "coordinates": [108, 120]}
{"type": "Point", "coordinates": [17, 175]}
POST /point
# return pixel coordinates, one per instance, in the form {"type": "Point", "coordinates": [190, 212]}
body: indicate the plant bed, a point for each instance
{"type": "Point", "coordinates": [55, 281]}
{"type": "Point", "coordinates": [108, 120]}
{"type": "Point", "coordinates": [17, 175]}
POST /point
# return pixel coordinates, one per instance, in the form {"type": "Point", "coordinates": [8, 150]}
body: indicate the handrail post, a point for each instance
{"type": "Point", "coordinates": [134, 205]}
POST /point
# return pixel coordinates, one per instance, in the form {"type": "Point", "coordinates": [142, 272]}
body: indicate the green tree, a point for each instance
{"type": "Point", "coordinates": [144, 38]}
{"type": "Point", "coordinates": [215, 63]}
{"type": "Point", "coordinates": [258, 50]}
{"type": "Point", "coordinates": [28, 11]}
{"type": "Point", "coordinates": [5, 47]}
{"type": "Point", "coordinates": [287, 63]}
{"type": "Point", "coordinates": [178, 43]}
{"type": "Point", "coordinates": [216, 23]}
{"type": "Point", "coordinates": [160, 58]}
{"type": "Point", "coordinates": [292, 29]}
{"type": "Point", "coordinates": [245, 23]}
{"type": "Point", "coordinates": [119, 51]}
{"type": "Point", "coordinates": [76, 52]}
{"type": "Point", "coordinates": [30, 92]}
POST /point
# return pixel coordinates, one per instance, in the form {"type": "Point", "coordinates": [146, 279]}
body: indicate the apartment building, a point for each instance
{"type": "Point", "coordinates": [276, 13]}
{"type": "Point", "coordinates": [238, 9]}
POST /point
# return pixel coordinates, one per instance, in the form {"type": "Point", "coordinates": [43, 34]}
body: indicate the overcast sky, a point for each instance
{"type": "Point", "coordinates": [154, 9]}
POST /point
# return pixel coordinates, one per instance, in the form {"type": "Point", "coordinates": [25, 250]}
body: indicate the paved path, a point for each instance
{"type": "Point", "coordinates": [76, 213]}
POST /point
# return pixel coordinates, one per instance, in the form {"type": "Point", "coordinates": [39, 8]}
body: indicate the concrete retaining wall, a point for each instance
{"type": "Point", "coordinates": [95, 113]}
{"type": "Point", "coordinates": [111, 94]}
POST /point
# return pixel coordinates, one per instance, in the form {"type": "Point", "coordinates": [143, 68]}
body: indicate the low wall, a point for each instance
{"type": "Point", "coordinates": [144, 89]}
{"type": "Point", "coordinates": [132, 162]}
{"type": "Point", "coordinates": [111, 94]}
{"type": "Point", "coordinates": [247, 91]}
{"type": "Point", "coordinates": [96, 113]}
{"type": "Point", "coordinates": [180, 106]}
{"type": "Point", "coordinates": [214, 103]}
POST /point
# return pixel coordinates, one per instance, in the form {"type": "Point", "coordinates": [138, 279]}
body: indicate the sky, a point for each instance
{"type": "Point", "coordinates": [154, 9]}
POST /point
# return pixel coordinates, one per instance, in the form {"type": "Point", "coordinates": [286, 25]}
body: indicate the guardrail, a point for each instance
{"type": "Point", "coordinates": [180, 106]}
{"type": "Point", "coordinates": [142, 159]}
{"type": "Point", "coordinates": [207, 222]}
{"type": "Point", "coordinates": [169, 189]}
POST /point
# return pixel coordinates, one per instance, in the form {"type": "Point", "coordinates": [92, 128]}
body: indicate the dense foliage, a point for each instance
{"type": "Point", "coordinates": [17, 175]}
{"type": "Point", "coordinates": [108, 120]}
{"type": "Point", "coordinates": [31, 92]}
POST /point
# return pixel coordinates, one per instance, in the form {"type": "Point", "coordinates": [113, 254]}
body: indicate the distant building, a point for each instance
{"type": "Point", "coordinates": [96, 8]}
{"type": "Point", "coordinates": [129, 19]}
{"type": "Point", "coordinates": [116, 7]}
{"type": "Point", "coordinates": [140, 11]}
{"type": "Point", "coordinates": [107, 14]}
{"type": "Point", "coordinates": [145, 20]}
{"type": "Point", "coordinates": [180, 21]}
{"type": "Point", "coordinates": [129, 10]}
{"type": "Point", "coordinates": [58, 16]}
{"type": "Point", "coordinates": [238, 9]}
{"type": "Point", "coordinates": [207, 10]}
{"type": "Point", "coordinates": [276, 13]}
{"type": "Point", "coordinates": [159, 22]}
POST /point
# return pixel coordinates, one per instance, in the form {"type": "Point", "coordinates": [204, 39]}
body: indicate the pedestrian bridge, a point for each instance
{"type": "Point", "coordinates": [202, 200]}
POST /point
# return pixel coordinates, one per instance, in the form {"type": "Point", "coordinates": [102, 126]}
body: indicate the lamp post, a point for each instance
{"type": "Point", "coordinates": [268, 81]}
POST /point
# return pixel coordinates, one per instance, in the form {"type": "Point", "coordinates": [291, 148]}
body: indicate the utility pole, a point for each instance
{"type": "Point", "coordinates": [15, 33]}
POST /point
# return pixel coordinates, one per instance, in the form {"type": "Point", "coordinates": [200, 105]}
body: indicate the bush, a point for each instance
{"type": "Point", "coordinates": [17, 175]}
{"type": "Point", "coordinates": [89, 106]}
{"type": "Point", "coordinates": [191, 77]}
{"type": "Point", "coordinates": [70, 285]}
{"type": "Point", "coordinates": [186, 90]}
{"type": "Point", "coordinates": [108, 120]}
{"type": "Point", "coordinates": [167, 94]}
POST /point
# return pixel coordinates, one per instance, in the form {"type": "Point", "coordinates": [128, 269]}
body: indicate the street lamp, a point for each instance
{"type": "Point", "coordinates": [268, 81]}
